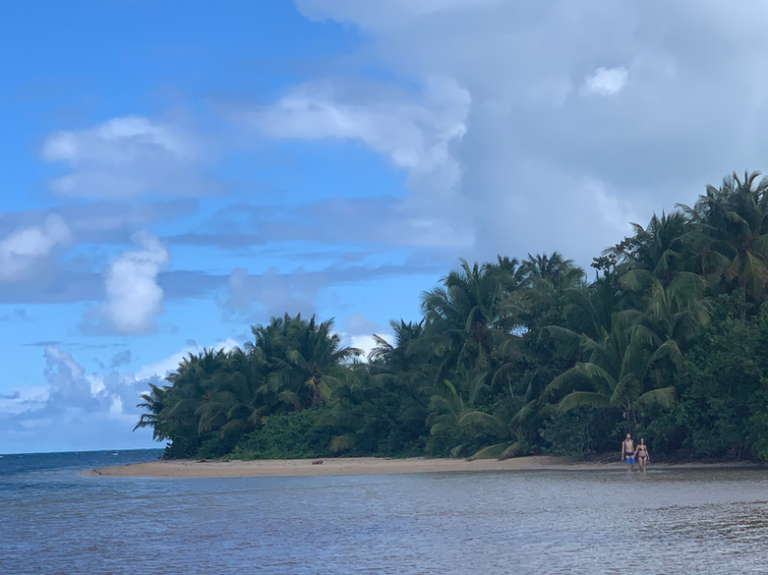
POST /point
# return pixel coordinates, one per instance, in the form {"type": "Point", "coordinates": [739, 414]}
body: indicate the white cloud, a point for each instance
{"type": "Point", "coordinates": [367, 342]}
{"type": "Point", "coordinates": [134, 299]}
{"type": "Point", "coordinates": [127, 157]}
{"type": "Point", "coordinates": [163, 367]}
{"type": "Point", "coordinates": [24, 400]}
{"type": "Point", "coordinates": [24, 248]}
{"type": "Point", "coordinates": [606, 82]}
{"type": "Point", "coordinates": [414, 135]}
{"type": "Point", "coordinates": [76, 410]}
{"type": "Point", "coordinates": [359, 330]}
{"type": "Point", "coordinates": [417, 132]}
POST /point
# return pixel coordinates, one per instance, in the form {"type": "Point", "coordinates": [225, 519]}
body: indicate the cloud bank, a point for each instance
{"type": "Point", "coordinates": [577, 112]}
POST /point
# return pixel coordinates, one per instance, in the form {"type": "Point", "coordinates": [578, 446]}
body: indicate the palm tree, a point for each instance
{"type": "Point", "coordinates": [154, 402]}
{"type": "Point", "coordinates": [662, 248]}
{"type": "Point", "coordinates": [397, 356]}
{"type": "Point", "coordinates": [732, 224]}
{"type": "Point", "coordinates": [617, 369]}
{"type": "Point", "coordinates": [675, 312]}
{"type": "Point", "coordinates": [555, 270]}
{"type": "Point", "coordinates": [312, 358]}
{"type": "Point", "coordinates": [466, 318]}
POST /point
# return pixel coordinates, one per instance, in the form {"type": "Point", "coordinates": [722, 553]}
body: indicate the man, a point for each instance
{"type": "Point", "coordinates": [628, 451]}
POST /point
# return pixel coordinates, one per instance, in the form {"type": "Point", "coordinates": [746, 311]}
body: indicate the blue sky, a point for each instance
{"type": "Point", "coordinates": [175, 172]}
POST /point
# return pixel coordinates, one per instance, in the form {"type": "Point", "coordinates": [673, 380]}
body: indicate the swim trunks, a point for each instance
{"type": "Point", "coordinates": [630, 460]}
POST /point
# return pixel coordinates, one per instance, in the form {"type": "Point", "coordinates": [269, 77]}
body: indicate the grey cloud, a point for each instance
{"type": "Point", "coordinates": [275, 293]}
{"type": "Point", "coordinates": [102, 222]}
{"type": "Point", "coordinates": [375, 221]}
{"type": "Point", "coordinates": [18, 314]}
{"type": "Point", "coordinates": [74, 345]}
{"type": "Point", "coordinates": [256, 297]}
{"type": "Point", "coordinates": [68, 385]}
{"type": "Point", "coordinates": [53, 285]}
{"type": "Point", "coordinates": [547, 164]}
{"type": "Point", "coordinates": [226, 241]}
{"type": "Point", "coordinates": [43, 343]}
{"type": "Point", "coordinates": [14, 395]}
{"type": "Point", "coordinates": [76, 412]}
{"type": "Point", "coordinates": [183, 284]}
{"type": "Point", "coordinates": [120, 358]}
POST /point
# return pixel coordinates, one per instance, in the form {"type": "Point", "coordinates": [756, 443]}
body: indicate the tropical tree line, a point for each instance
{"type": "Point", "coordinates": [668, 339]}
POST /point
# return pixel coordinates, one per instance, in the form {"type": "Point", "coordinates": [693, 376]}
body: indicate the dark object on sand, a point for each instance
{"type": "Point", "coordinates": [318, 462]}
{"type": "Point", "coordinates": [202, 461]}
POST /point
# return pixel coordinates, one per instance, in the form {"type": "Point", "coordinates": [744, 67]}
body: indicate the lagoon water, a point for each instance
{"type": "Point", "coordinates": [54, 521]}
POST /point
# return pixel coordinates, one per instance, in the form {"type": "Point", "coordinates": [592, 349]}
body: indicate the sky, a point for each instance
{"type": "Point", "coordinates": [175, 172]}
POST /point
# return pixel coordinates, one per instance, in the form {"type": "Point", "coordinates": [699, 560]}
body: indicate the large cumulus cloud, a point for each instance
{"type": "Point", "coordinates": [583, 114]}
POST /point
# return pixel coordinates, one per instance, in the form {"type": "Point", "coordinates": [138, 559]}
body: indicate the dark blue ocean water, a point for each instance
{"type": "Point", "coordinates": [55, 521]}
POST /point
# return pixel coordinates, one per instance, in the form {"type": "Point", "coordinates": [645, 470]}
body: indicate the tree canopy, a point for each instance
{"type": "Point", "coordinates": [514, 357]}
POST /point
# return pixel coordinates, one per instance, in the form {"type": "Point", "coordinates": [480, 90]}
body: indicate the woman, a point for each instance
{"type": "Point", "coordinates": [641, 453]}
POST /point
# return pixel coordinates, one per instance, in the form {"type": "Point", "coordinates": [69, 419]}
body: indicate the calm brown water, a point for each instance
{"type": "Point", "coordinates": [54, 521]}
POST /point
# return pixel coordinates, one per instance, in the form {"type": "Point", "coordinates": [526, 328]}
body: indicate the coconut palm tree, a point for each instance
{"type": "Point", "coordinates": [662, 247]}
{"type": "Point", "coordinates": [311, 360]}
{"type": "Point", "coordinates": [732, 234]}
{"type": "Point", "coordinates": [466, 318]}
{"type": "Point", "coordinates": [615, 374]}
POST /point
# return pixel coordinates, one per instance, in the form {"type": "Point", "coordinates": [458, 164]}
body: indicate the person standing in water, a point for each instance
{"type": "Point", "coordinates": [628, 451]}
{"type": "Point", "coordinates": [642, 454]}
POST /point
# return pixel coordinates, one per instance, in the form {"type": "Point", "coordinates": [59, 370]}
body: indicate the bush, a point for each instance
{"type": "Point", "coordinates": [581, 431]}
{"type": "Point", "coordinates": [295, 435]}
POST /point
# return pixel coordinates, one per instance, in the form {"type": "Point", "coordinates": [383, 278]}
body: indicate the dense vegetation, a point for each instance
{"type": "Point", "coordinates": [669, 342]}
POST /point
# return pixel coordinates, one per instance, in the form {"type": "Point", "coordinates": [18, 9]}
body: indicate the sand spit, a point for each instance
{"type": "Point", "coordinates": [368, 466]}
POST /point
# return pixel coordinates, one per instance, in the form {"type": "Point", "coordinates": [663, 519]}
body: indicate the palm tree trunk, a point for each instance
{"type": "Point", "coordinates": [743, 313]}
{"type": "Point", "coordinates": [631, 420]}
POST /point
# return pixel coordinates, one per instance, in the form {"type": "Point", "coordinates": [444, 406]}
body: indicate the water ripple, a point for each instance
{"type": "Point", "coordinates": [485, 523]}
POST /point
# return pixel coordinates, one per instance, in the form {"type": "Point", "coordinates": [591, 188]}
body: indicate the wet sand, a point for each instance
{"type": "Point", "coordinates": [369, 466]}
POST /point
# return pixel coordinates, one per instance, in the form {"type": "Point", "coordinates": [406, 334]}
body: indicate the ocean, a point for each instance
{"type": "Point", "coordinates": [55, 521]}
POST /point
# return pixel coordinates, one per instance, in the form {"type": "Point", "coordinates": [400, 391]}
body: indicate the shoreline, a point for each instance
{"type": "Point", "coordinates": [189, 469]}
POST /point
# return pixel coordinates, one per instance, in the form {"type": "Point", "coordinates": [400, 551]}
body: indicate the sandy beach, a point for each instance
{"type": "Point", "coordinates": [367, 466]}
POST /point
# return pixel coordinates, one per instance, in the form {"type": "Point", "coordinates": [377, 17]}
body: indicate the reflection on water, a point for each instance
{"type": "Point", "coordinates": [485, 523]}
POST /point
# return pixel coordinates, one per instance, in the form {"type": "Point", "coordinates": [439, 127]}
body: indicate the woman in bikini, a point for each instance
{"type": "Point", "coordinates": [642, 454]}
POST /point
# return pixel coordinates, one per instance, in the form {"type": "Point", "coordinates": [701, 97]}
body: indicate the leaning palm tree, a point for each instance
{"type": "Point", "coordinates": [154, 403]}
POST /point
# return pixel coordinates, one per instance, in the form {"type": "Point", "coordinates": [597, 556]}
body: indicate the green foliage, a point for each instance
{"type": "Point", "coordinates": [579, 432]}
{"type": "Point", "coordinates": [295, 435]}
{"type": "Point", "coordinates": [723, 393]}
{"type": "Point", "coordinates": [669, 342]}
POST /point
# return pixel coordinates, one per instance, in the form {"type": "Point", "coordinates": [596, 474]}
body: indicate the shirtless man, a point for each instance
{"type": "Point", "coordinates": [642, 454]}
{"type": "Point", "coordinates": [628, 451]}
